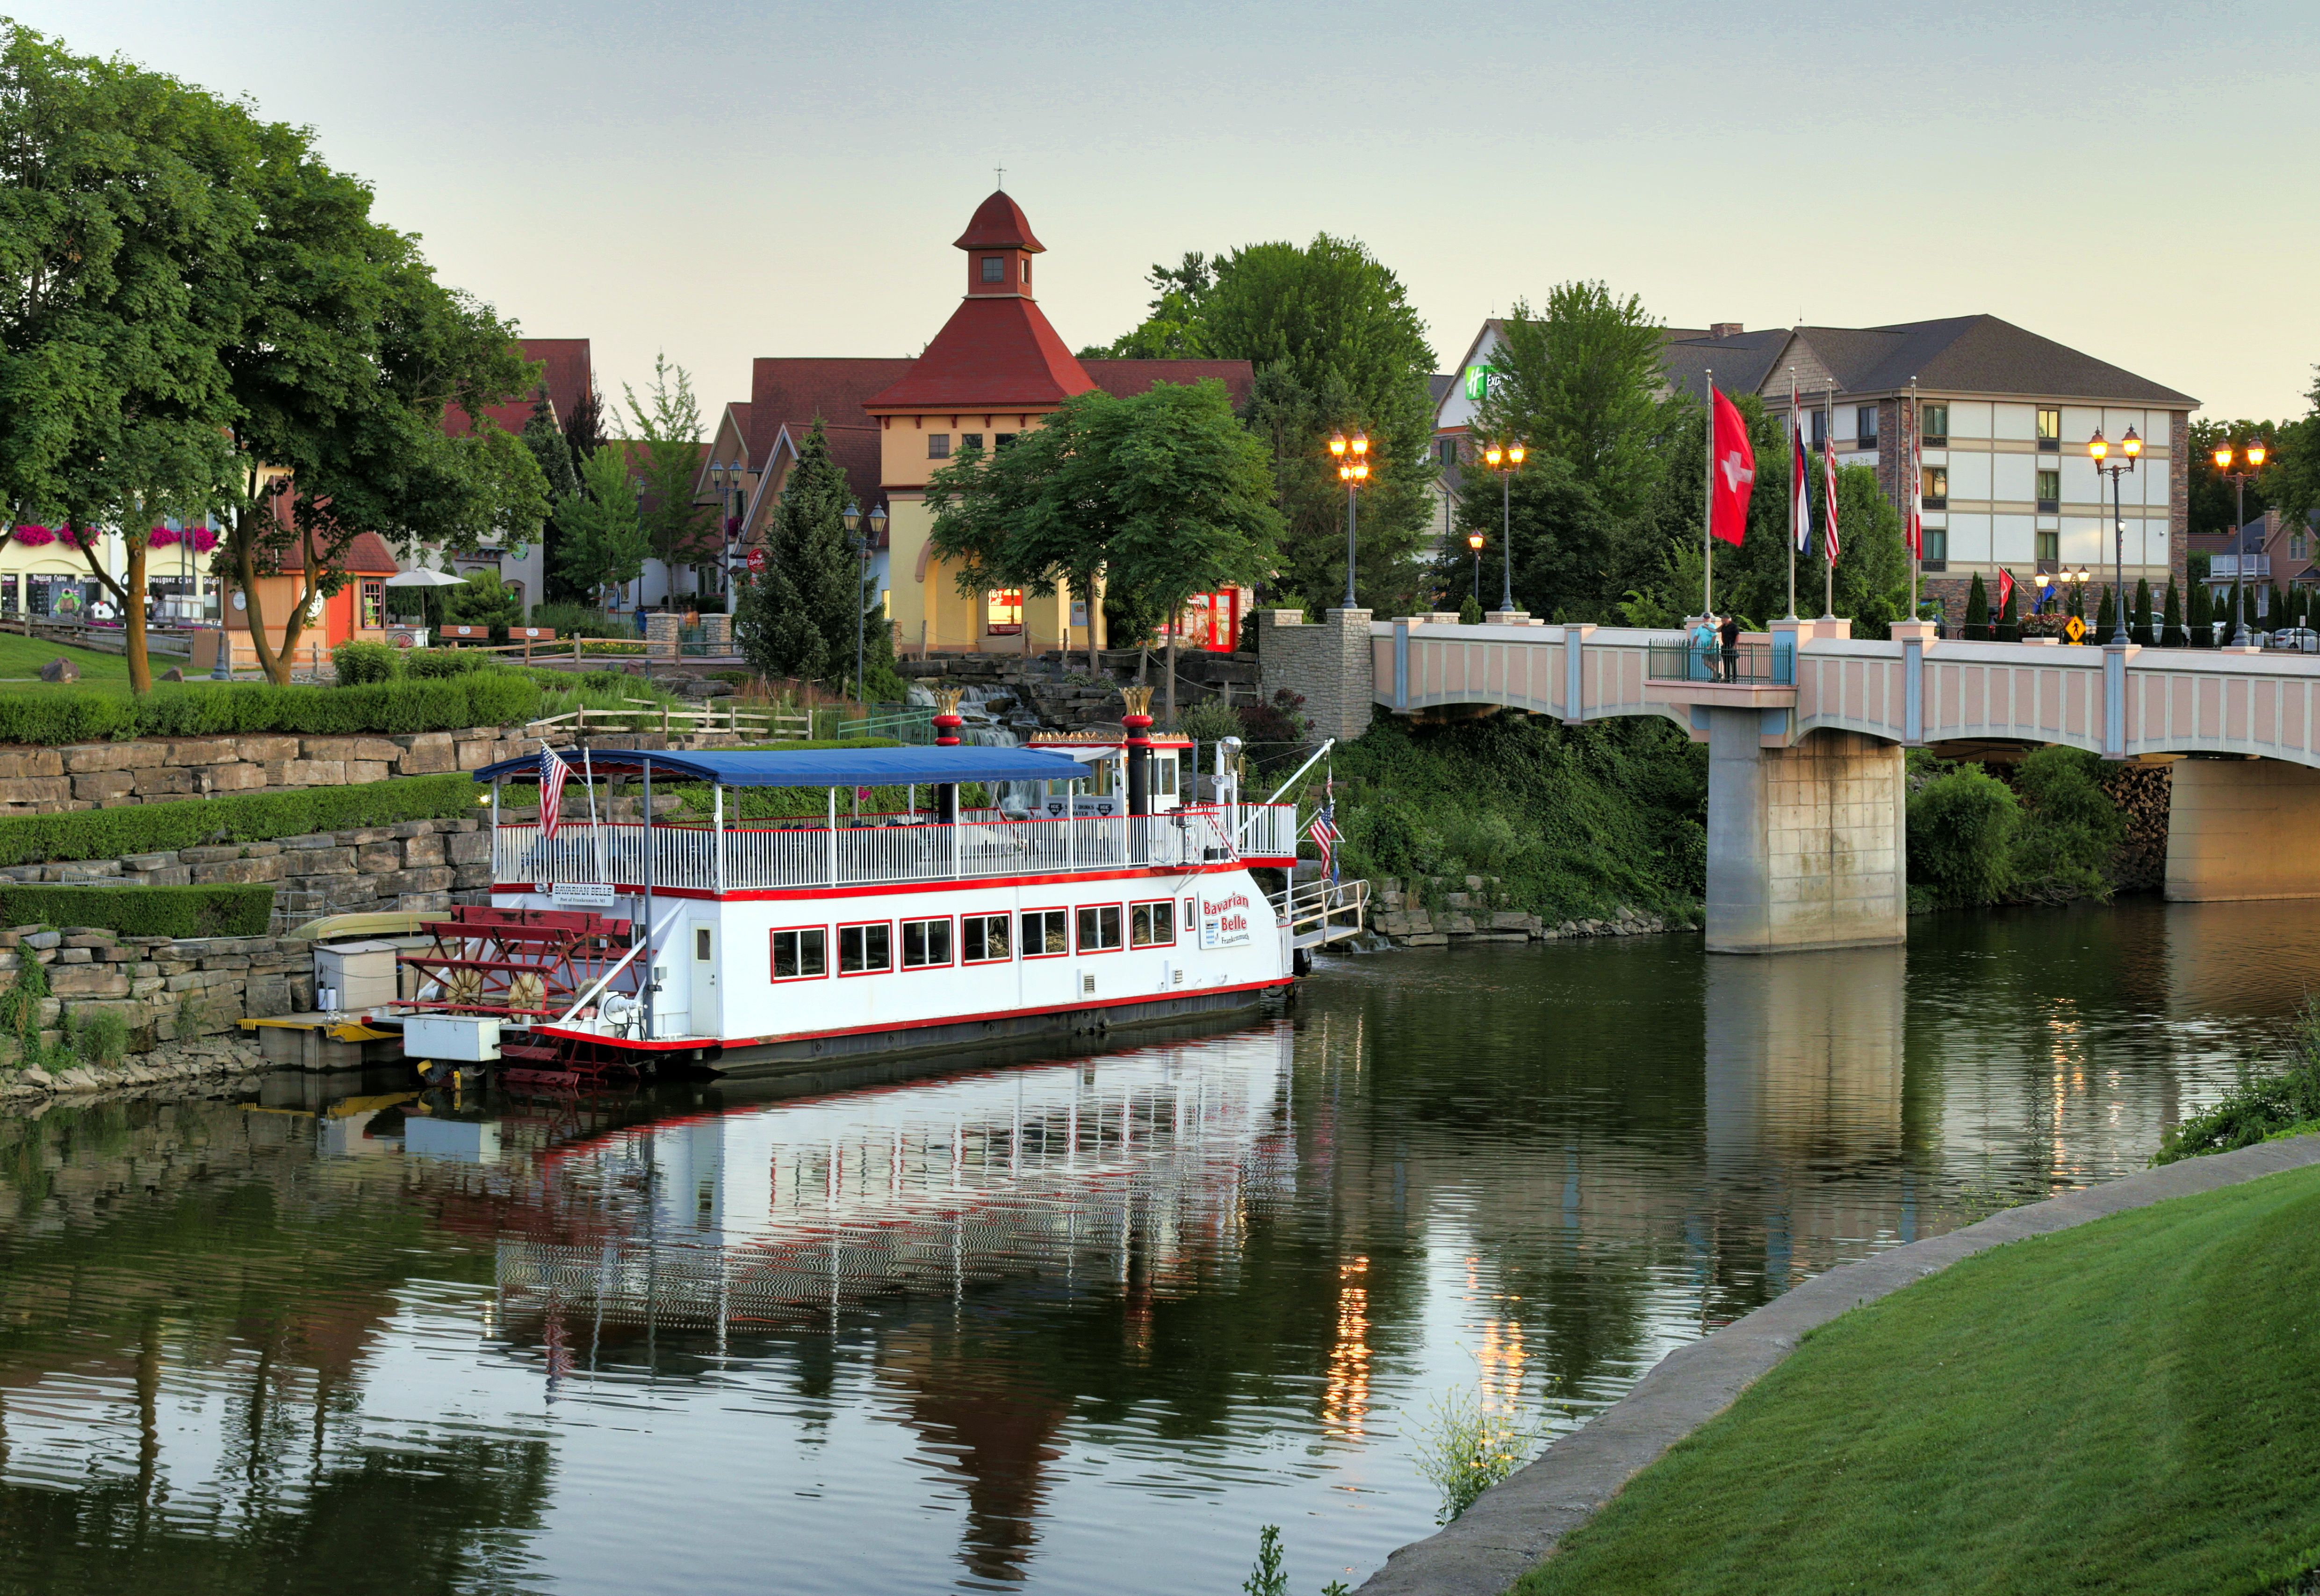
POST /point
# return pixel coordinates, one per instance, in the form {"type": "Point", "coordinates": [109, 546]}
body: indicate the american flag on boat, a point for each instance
{"type": "Point", "coordinates": [1323, 830]}
{"type": "Point", "coordinates": [552, 772]}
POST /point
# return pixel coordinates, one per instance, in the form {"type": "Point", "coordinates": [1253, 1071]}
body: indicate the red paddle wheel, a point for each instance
{"type": "Point", "coordinates": [527, 966]}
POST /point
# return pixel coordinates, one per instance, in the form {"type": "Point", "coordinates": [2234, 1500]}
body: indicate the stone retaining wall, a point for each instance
{"type": "Point", "coordinates": [90, 775]}
{"type": "Point", "coordinates": [167, 989]}
{"type": "Point", "coordinates": [421, 865]}
{"type": "Point", "coordinates": [1401, 913]}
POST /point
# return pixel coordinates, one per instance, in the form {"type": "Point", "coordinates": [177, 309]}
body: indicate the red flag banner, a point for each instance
{"type": "Point", "coordinates": [1733, 474]}
{"type": "Point", "coordinates": [1916, 530]}
{"type": "Point", "coordinates": [2004, 589]}
{"type": "Point", "coordinates": [1829, 487]}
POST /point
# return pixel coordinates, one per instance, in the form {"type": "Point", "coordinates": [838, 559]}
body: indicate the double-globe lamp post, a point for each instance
{"type": "Point", "coordinates": [2131, 447]}
{"type": "Point", "coordinates": [1505, 458]}
{"type": "Point", "coordinates": [2254, 453]}
{"type": "Point", "coordinates": [1352, 457]}
{"type": "Point", "coordinates": [853, 518]}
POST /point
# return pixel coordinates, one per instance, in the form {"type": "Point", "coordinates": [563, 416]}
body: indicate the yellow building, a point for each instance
{"type": "Point", "coordinates": [994, 371]}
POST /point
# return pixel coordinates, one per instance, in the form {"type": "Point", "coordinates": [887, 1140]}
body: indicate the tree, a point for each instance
{"type": "Point", "coordinates": [2215, 504]}
{"type": "Point", "coordinates": [2008, 630]}
{"type": "Point", "coordinates": [1977, 611]}
{"type": "Point", "coordinates": [2171, 621]}
{"type": "Point", "coordinates": [799, 616]}
{"type": "Point", "coordinates": [1581, 384]}
{"type": "Point", "coordinates": [124, 214]}
{"type": "Point", "coordinates": [2291, 478]}
{"type": "Point", "coordinates": [680, 532]}
{"type": "Point", "coordinates": [2140, 627]}
{"type": "Point", "coordinates": [1337, 346]}
{"type": "Point", "coordinates": [601, 534]}
{"type": "Point", "coordinates": [2202, 625]}
{"type": "Point", "coordinates": [2103, 618]}
{"type": "Point", "coordinates": [349, 356]}
{"type": "Point", "coordinates": [1192, 495]}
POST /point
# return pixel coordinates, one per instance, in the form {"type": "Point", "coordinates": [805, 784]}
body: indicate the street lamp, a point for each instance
{"type": "Point", "coordinates": [2254, 453]}
{"type": "Point", "coordinates": [1474, 542]}
{"type": "Point", "coordinates": [852, 519]}
{"type": "Point", "coordinates": [1352, 457]}
{"type": "Point", "coordinates": [2131, 447]}
{"type": "Point", "coordinates": [1505, 460]}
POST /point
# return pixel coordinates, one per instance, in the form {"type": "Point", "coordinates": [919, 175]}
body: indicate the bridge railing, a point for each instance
{"type": "Point", "coordinates": [1759, 664]}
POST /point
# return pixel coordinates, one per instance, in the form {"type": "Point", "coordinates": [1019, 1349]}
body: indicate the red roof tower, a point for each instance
{"type": "Point", "coordinates": [997, 350]}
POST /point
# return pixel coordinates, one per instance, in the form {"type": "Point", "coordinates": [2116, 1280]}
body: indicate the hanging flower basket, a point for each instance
{"type": "Point", "coordinates": [33, 537]}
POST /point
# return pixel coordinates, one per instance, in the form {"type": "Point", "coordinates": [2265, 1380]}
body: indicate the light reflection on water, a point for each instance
{"type": "Point", "coordinates": [1069, 1326]}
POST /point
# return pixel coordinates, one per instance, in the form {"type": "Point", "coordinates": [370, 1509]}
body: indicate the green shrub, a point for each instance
{"type": "Point", "coordinates": [358, 663]}
{"type": "Point", "coordinates": [433, 663]}
{"type": "Point", "coordinates": [251, 817]}
{"type": "Point", "coordinates": [568, 620]}
{"type": "Point", "coordinates": [1470, 610]}
{"type": "Point", "coordinates": [481, 698]}
{"type": "Point", "coordinates": [2260, 1105]}
{"type": "Point", "coordinates": [19, 1003]}
{"type": "Point", "coordinates": [100, 1037]}
{"type": "Point", "coordinates": [1210, 720]}
{"type": "Point", "coordinates": [1961, 831]}
{"type": "Point", "coordinates": [143, 911]}
{"type": "Point", "coordinates": [2071, 829]}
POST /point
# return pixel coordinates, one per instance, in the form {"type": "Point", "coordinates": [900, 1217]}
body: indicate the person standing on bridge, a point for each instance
{"type": "Point", "coordinates": [1703, 647]}
{"type": "Point", "coordinates": [1730, 633]}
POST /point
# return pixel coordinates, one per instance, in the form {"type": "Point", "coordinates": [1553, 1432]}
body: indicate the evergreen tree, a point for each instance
{"type": "Point", "coordinates": [797, 617]}
{"type": "Point", "coordinates": [2202, 617]}
{"type": "Point", "coordinates": [2234, 609]}
{"type": "Point", "coordinates": [2078, 600]}
{"type": "Point", "coordinates": [554, 457]}
{"type": "Point", "coordinates": [2009, 630]}
{"type": "Point", "coordinates": [1977, 611]}
{"type": "Point", "coordinates": [2171, 622]}
{"type": "Point", "coordinates": [2276, 612]}
{"type": "Point", "coordinates": [2103, 618]}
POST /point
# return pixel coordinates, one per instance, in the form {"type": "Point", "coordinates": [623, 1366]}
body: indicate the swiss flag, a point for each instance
{"type": "Point", "coordinates": [1732, 475]}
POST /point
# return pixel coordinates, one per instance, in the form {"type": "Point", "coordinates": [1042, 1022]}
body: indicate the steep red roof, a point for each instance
{"type": "Point", "coordinates": [992, 354]}
{"type": "Point", "coordinates": [566, 369]}
{"type": "Point", "coordinates": [1124, 379]}
{"type": "Point", "coordinates": [366, 556]}
{"type": "Point", "coordinates": [999, 224]}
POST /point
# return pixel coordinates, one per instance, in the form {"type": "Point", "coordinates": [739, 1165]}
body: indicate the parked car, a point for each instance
{"type": "Point", "coordinates": [2300, 640]}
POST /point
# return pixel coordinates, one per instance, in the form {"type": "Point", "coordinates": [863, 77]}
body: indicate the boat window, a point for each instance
{"type": "Point", "coordinates": [1101, 771]}
{"type": "Point", "coordinates": [925, 943]}
{"type": "Point", "coordinates": [1044, 932]}
{"type": "Point", "coordinates": [1164, 775]}
{"type": "Point", "coordinates": [1099, 927]}
{"type": "Point", "coordinates": [800, 953]}
{"type": "Point", "coordinates": [865, 950]}
{"type": "Point", "coordinates": [1152, 925]}
{"type": "Point", "coordinates": [983, 937]}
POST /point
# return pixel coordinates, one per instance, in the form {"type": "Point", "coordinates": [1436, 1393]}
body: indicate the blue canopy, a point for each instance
{"type": "Point", "coordinates": [815, 768]}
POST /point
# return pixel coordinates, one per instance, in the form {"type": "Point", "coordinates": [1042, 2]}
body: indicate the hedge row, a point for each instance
{"type": "Point", "coordinates": [358, 663]}
{"type": "Point", "coordinates": [143, 911]}
{"type": "Point", "coordinates": [479, 698]}
{"type": "Point", "coordinates": [250, 816]}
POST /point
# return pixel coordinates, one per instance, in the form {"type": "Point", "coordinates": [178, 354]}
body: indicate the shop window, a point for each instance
{"type": "Point", "coordinates": [1002, 613]}
{"type": "Point", "coordinates": [374, 601]}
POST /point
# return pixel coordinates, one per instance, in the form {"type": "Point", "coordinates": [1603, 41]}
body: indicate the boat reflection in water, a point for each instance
{"type": "Point", "coordinates": [1030, 1172]}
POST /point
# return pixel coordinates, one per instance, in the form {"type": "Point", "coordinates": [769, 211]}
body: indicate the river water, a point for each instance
{"type": "Point", "coordinates": [1078, 1325]}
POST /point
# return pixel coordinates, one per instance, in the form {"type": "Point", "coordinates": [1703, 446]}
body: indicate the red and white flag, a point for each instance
{"type": "Point", "coordinates": [1829, 487]}
{"type": "Point", "coordinates": [1916, 530]}
{"type": "Point", "coordinates": [1800, 477]}
{"type": "Point", "coordinates": [2005, 589]}
{"type": "Point", "coordinates": [1732, 473]}
{"type": "Point", "coordinates": [552, 772]}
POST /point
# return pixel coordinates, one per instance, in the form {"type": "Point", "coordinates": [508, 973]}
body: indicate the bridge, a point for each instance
{"type": "Point", "coordinates": [1806, 802]}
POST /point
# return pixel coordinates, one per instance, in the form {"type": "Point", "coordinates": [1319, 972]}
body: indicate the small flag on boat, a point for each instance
{"type": "Point", "coordinates": [1323, 830]}
{"type": "Point", "coordinates": [552, 772]}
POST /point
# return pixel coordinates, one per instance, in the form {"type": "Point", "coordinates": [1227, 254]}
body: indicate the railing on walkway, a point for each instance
{"type": "Point", "coordinates": [899, 725]}
{"type": "Point", "coordinates": [1269, 831]}
{"type": "Point", "coordinates": [1320, 913]}
{"type": "Point", "coordinates": [1756, 664]}
{"type": "Point", "coordinates": [649, 715]}
{"type": "Point", "coordinates": [760, 859]}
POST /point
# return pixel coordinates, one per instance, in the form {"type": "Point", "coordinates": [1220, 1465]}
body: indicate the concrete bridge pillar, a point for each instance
{"type": "Point", "coordinates": [2242, 829]}
{"type": "Point", "coordinates": [1805, 845]}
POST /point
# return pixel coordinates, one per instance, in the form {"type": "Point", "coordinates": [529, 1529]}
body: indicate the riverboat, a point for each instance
{"type": "Point", "coordinates": [1015, 895]}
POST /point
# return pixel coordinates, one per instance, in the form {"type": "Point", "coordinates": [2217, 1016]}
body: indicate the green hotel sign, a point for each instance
{"type": "Point", "coordinates": [1478, 382]}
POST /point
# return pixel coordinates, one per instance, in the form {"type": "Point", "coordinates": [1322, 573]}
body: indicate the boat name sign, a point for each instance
{"type": "Point", "coordinates": [582, 895]}
{"type": "Point", "coordinates": [1224, 921]}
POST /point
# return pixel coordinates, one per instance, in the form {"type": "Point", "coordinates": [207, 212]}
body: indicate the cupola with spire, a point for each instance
{"type": "Point", "coordinates": [999, 247]}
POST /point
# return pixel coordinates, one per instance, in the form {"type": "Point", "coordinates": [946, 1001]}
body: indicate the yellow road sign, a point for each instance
{"type": "Point", "coordinates": [2074, 628]}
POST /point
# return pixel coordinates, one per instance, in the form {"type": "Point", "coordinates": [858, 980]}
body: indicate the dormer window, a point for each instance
{"type": "Point", "coordinates": [994, 268]}
{"type": "Point", "coordinates": [1027, 271]}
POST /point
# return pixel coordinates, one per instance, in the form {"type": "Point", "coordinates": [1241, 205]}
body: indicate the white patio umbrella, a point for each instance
{"type": "Point", "coordinates": [424, 578]}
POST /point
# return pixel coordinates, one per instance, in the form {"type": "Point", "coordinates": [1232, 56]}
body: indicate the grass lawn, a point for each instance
{"type": "Point", "coordinates": [20, 659]}
{"type": "Point", "coordinates": [2130, 1406]}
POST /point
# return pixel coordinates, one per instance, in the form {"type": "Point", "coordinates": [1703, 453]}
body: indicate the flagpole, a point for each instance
{"type": "Point", "coordinates": [1828, 497]}
{"type": "Point", "coordinates": [1792, 495]}
{"type": "Point", "coordinates": [1918, 516]}
{"type": "Point", "coordinates": [595, 832]}
{"type": "Point", "coordinates": [1707, 510]}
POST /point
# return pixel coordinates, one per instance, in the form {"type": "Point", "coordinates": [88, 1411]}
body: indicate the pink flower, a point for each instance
{"type": "Point", "coordinates": [34, 535]}
{"type": "Point", "coordinates": [160, 538]}
{"type": "Point", "coordinates": [204, 540]}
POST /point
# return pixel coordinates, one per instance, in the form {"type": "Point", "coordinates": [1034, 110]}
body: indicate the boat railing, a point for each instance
{"type": "Point", "coordinates": [760, 859]}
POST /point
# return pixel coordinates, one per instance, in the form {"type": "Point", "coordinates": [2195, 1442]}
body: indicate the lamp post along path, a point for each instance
{"type": "Point", "coordinates": [1505, 458]}
{"type": "Point", "coordinates": [2130, 448]}
{"type": "Point", "coordinates": [1352, 457]}
{"type": "Point", "coordinates": [2254, 454]}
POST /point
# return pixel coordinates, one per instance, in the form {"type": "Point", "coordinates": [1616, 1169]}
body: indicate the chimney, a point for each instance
{"type": "Point", "coordinates": [1725, 329]}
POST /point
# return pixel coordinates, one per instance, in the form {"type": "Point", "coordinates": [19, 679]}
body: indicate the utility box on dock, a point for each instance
{"type": "Point", "coordinates": [361, 972]}
{"type": "Point", "coordinates": [461, 1038]}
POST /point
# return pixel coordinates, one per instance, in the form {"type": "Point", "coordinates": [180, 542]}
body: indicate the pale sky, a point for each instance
{"type": "Point", "coordinates": [725, 181]}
